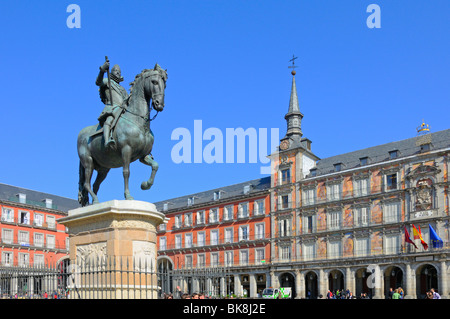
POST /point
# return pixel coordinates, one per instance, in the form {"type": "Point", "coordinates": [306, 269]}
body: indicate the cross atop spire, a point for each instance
{"type": "Point", "coordinates": [293, 66]}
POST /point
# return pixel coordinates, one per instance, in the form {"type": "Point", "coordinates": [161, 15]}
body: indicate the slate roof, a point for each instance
{"type": "Point", "coordinates": [36, 198]}
{"type": "Point", "coordinates": [232, 192]}
{"type": "Point", "coordinates": [380, 153]}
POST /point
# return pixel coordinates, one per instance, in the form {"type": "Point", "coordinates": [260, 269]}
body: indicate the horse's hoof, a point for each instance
{"type": "Point", "coordinates": [145, 186]}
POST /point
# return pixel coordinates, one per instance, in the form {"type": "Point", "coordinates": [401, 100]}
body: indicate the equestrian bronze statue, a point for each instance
{"type": "Point", "coordinates": [128, 137]}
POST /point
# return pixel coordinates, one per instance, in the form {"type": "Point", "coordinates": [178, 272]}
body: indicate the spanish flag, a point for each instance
{"type": "Point", "coordinates": [418, 235]}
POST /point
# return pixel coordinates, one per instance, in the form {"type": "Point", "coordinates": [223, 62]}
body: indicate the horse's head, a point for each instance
{"type": "Point", "coordinates": [155, 86]}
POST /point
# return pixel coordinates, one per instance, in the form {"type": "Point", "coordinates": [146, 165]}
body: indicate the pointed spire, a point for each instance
{"type": "Point", "coordinates": [294, 116]}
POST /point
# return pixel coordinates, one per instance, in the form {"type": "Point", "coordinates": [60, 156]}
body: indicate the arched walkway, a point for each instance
{"type": "Point", "coordinates": [335, 280]}
{"type": "Point", "coordinates": [393, 278]}
{"type": "Point", "coordinates": [426, 278]}
{"type": "Point", "coordinates": [288, 280]}
{"type": "Point", "coordinates": [311, 285]}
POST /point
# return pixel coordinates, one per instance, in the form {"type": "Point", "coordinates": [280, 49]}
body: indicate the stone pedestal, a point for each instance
{"type": "Point", "coordinates": [113, 250]}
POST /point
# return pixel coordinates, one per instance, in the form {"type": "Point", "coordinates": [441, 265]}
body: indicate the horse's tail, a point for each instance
{"type": "Point", "coordinates": [83, 196]}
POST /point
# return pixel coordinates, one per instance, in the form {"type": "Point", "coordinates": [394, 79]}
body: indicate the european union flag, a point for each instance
{"type": "Point", "coordinates": [436, 241]}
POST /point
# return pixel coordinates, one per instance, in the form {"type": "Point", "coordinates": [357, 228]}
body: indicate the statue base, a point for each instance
{"type": "Point", "coordinates": [112, 247]}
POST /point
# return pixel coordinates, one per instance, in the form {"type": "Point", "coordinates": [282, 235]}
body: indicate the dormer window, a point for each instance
{"type": "Point", "coordinates": [22, 198]}
{"type": "Point", "coordinates": [313, 172]}
{"type": "Point", "coordinates": [191, 201]}
{"type": "Point", "coordinates": [393, 154]}
{"type": "Point", "coordinates": [337, 167]}
{"type": "Point", "coordinates": [425, 147]}
{"type": "Point", "coordinates": [217, 195]}
{"type": "Point", "coordinates": [364, 161]}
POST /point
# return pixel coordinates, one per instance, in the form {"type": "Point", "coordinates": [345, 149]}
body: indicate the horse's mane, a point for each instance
{"type": "Point", "coordinates": [147, 72]}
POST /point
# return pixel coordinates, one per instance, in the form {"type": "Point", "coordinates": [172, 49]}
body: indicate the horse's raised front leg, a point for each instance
{"type": "Point", "coordinates": [148, 160]}
{"type": "Point", "coordinates": [126, 157]}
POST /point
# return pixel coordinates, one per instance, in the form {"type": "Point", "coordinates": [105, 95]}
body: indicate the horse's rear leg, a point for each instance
{"type": "Point", "coordinates": [101, 175]}
{"type": "Point", "coordinates": [88, 170]}
{"type": "Point", "coordinates": [148, 160]}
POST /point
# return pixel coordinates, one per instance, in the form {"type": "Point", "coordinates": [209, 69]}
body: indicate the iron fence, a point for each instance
{"type": "Point", "coordinates": [107, 278]}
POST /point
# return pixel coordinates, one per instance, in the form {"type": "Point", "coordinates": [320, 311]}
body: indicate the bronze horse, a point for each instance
{"type": "Point", "coordinates": [134, 139]}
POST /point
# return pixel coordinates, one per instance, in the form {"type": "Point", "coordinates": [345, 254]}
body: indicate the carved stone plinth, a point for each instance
{"type": "Point", "coordinates": [113, 250]}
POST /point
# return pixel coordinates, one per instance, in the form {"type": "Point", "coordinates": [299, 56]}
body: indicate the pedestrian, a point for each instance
{"type": "Point", "coordinates": [396, 295]}
{"type": "Point", "coordinates": [401, 292]}
{"type": "Point", "coordinates": [391, 292]}
{"type": "Point", "coordinates": [435, 294]}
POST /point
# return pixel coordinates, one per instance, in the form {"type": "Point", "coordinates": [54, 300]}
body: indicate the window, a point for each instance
{"type": "Point", "coordinates": [188, 220]}
{"type": "Point", "coordinates": [393, 154]}
{"type": "Point", "coordinates": [214, 215]}
{"type": "Point", "coordinates": [188, 240]}
{"type": "Point", "coordinates": [284, 227]}
{"type": "Point", "coordinates": [334, 249]}
{"type": "Point", "coordinates": [229, 258]}
{"type": "Point", "coordinates": [200, 239]}
{"type": "Point", "coordinates": [259, 207]}
{"type": "Point", "coordinates": [165, 207]}
{"type": "Point", "coordinates": [214, 259]}
{"type": "Point", "coordinates": [425, 147]}
{"type": "Point", "coordinates": [247, 189]}
{"type": "Point", "coordinates": [334, 191]}
{"type": "Point", "coordinates": [51, 222]}
{"type": "Point", "coordinates": [38, 220]}
{"type": "Point", "coordinates": [391, 212]}
{"type": "Point", "coordinates": [178, 241]}
{"type": "Point", "coordinates": [162, 243]}
{"type": "Point", "coordinates": [188, 261]}
{"type": "Point", "coordinates": [243, 257]}
{"type": "Point", "coordinates": [214, 237]}
{"type": "Point", "coordinates": [392, 244]}
{"type": "Point", "coordinates": [48, 203]}
{"type": "Point", "coordinates": [244, 233]}
{"type": "Point", "coordinates": [7, 215]}
{"type": "Point", "coordinates": [285, 253]}
{"type": "Point", "coordinates": [178, 221]}
{"type": "Point", "coordinates": [24, 217]}
{"type": "Point", "coordinates": [24, 259]}
{"type": "Point", "coordinates": [361, 216]}
{"type": "Point", "coordinates": [313, 172]}
{"type": "Point", "coordinates": [228, 235]}
{"type": "Point", "coordinates": [50, 241]}
{"type": "Point", "coordinates": [191, 201]}
{"type": "Point", "coordinates": [259, 255]}
{"type": "Point", "coordinates": [243, 210]}
{"type": "Point", "coordinates": [259, 231]}
{"type": "Point", "coordinates": [38, 240]}
{"type": "Point", "coordinates": [7, 236]}
{"type": "Point", "coordinates": [200, 217]}
{"type": "Point", "coordinates": [284, 201]}
{"type": "Point", "coordinates": [308, 196]}
{"type": "Point", "coordinates": [361, 187]}
{"type": "Point", "coordinates": [363, 161]}
{"type": "Point", "coordinates": [361, 247]}
{"type": "Point", "coordinates": [309, 251]}
{"type": "Point", "coordinates": [38, 260]}
{"type": "Point", "coordinates": [308, 226]}
{"type": "Point", "coordinates": [228, 213]}
{"type": "Point", "coordinates": [7, 258]}
{"type": "Point", "coordinates": [201, 260]}
{"type": "Point", "coordinates": [22, 198]}
{"type": "Point", "coordinates": [285, 176]}
{"type": "Point", "coordinates": [217, 195]}
{"type": "Point", "coordinates": [391, 181]}
{"type": "Point", "coordinates": [24, 238]}
{"type": "Point", "coordinates": [338, 167]}
{"type": "Point", "coordinates": [334, 220]}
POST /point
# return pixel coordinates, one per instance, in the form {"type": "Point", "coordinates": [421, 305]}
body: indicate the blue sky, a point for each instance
{"type": "Point", "coordinates": [227, 63]}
